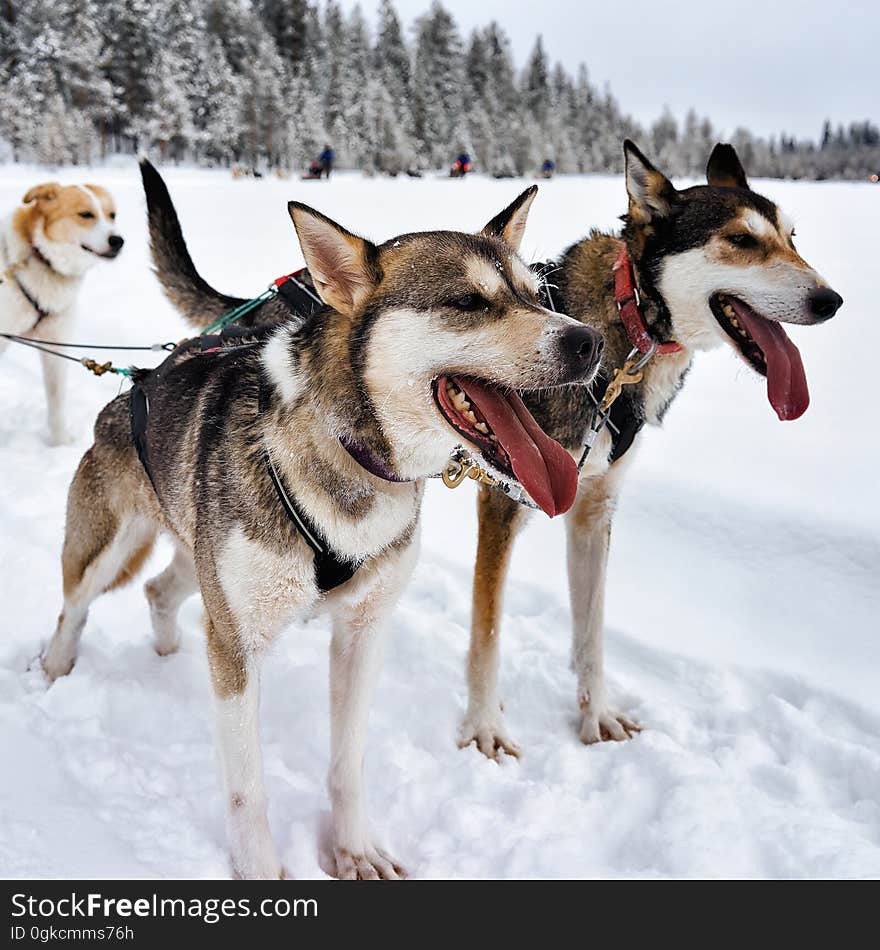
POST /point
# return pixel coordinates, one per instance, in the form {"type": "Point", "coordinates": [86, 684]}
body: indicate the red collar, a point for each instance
{"type": "Point", "coordinates": [627, 297]}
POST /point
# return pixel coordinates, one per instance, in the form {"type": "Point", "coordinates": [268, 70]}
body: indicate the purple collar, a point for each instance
{"type": "Point", "coordinates": [365, 458]}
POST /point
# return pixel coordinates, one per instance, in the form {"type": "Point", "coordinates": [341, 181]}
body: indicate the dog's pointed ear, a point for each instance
{"type": "Point", "coordinates": [725, 169]}
{"type": "Point", "coordinates": [651, 193]}
{"type": "Point", "coordinates": [510, 224]}
{"type": "Point", "coordinates": [46, 192]}
{"type": "Point", "coordinates": [343, 266]}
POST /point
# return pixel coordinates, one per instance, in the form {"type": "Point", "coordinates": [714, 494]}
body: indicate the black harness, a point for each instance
{"type": "Point", "coordinates": [331, 569]}
{"type": "Point", "coordinates": [41, 312]}
{"type": "Point", "coordinates": [624, 421]}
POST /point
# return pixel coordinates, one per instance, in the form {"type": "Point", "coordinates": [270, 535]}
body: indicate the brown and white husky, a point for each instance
{"type": "Point", "coordinates": [288, 467]}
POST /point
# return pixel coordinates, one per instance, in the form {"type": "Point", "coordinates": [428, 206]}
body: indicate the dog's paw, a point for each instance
{"type": "Point", "coordinates": [167, 642]}
{"type": "Point", "coordinates": [55, 664]}
{"type": "Point", "coordinates": [60, 437]}
{"type": "Point", "coordinates": [371, 864]}
{"type": "Point", "coordinates": [490, 737]}
{"type": "Point", "coordinates": [606, 725]}
{"type": "Point", "coordinates": [257, 859]}
{"type": "Point", "coordinates": [266, 872]}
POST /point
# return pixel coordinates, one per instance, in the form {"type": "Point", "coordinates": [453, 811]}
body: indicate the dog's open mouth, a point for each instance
{"type": "Point", "coordinates": [766, 347]}
{"type": "Point", "coordinates": [107, 255]}
{"type": "Point", "coordinates": [509, 438]}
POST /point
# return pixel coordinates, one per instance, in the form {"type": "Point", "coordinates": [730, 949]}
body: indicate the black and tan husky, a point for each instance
{"type": "Point", "coordinates": [693, 269]}
{"type": "Point", "coordinates": [289, 469]}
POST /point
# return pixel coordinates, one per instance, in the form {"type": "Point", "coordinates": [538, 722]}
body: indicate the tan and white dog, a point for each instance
{"type": "Point", "coordinates": [46, 246]}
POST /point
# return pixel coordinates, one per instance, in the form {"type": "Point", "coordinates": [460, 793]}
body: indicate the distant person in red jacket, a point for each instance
{"type": "Point", "coordinates": [461, 166]}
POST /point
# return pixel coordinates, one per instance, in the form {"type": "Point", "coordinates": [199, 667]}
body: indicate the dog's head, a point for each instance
{"type": "Point", "coordinates": [722, 258]}
{"type": "Point", "coordinates": [72, 225]}
{"type": "Point", "coordinates": [442, 328]}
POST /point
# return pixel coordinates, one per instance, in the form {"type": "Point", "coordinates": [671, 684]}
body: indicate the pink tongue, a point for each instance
{"type": "Point", "coordinates": [546, 471]}
{"type": "Point", "coordinates": [786, 380]}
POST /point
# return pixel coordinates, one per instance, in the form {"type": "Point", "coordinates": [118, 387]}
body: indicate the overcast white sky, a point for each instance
{"type": "Point", "coordinates": [771, 65]}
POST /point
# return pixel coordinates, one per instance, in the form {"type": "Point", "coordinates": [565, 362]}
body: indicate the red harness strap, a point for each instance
{"type": "Point", "coordinates": [627, 298]}
{"type": "Point", "coordinates": [296, 275]}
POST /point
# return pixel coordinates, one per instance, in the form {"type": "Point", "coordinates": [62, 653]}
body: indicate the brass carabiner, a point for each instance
{"type": "Point", "coordinates": [622, 377]}
{"type": "Point", "coordinates": [456, 471]}
{"type": "Point", "coordinates": [461, 467]}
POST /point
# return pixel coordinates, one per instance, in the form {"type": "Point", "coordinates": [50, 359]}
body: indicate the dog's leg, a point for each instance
{"type": "Point", "coordinates": [235, 676]}
{"type": "Point", "coordinates": [54, 375]}
{"type": "Point", "coordinates": [99, 553]}
{"type": "Point", "coordinates": [499, 520]}
{"type": "Point", "coordinates": [355, 661]}
{"type": "Point", "coordinates": [165, 593]}
{"type": "Point", "coordinates": [588, 527]}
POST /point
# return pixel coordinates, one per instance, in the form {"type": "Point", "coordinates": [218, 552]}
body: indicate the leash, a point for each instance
{"type": "Point", "coordinates": [278, 286]}
{"type": "Point", "coordinates": [93, 366]}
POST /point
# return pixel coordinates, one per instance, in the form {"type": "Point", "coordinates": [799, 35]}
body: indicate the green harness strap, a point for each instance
{"type": "Point", "coordinates": [240, 311]}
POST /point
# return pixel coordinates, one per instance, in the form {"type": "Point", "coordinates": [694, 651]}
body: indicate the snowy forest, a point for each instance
{"type": "Point", "coordinates": [266, 83]}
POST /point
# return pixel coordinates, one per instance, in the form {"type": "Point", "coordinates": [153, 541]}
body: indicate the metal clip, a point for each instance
{"type": "Point", "coordinates": [97, 368]}
{"type": "Point", "coordinates": [462, 466]}
{"type": "Point", "coordinates": [622, 377]}
{"type": "Point", "coordinates": [456, 471]}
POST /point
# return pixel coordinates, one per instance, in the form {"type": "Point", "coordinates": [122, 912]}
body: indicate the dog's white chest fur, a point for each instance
{"type": "Point", "coordinates": [53, 292]}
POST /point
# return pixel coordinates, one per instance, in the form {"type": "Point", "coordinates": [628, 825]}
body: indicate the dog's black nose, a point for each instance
{"type": "Point", "coordinates": [824, 303]}
{"type": "Point", "coordinates": [582, 348]}
{"type": "Point", "coordinates": [115, 242]}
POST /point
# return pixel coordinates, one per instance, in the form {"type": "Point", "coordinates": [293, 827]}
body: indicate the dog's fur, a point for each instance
{"type": "Point", "coordinates": [361, 369]}
{"type": "Point", "coordinates": [71, 227]}
{"type": "Point", "coordinates": [686, 246]}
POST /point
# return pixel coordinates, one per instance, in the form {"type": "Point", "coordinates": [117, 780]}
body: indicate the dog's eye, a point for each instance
{"type": "Point", "coordinates": [86, 214]}
{"type": "Point", "coordinates": [112, 215]}
{"type": "Point", "coordinates": [742, 240]}
{"type": "Point", "coordinates": [469, 303]}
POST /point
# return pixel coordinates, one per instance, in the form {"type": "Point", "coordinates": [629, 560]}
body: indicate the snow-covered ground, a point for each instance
{"type": "Point", "coordinates": [742, 607]}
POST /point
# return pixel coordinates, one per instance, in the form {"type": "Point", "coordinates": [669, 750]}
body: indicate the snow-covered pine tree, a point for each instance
{"type": "Point", "coordinates": [353, 76]}
{"type": "Point", "coordinates": [265, 114]}
{"type": "Point", "coordinates": [560, 123]}
{"type": "Point", "coordinates": [536, 84]}
{"type": "Point", "coordinates": [132, 37]}
{"type": "Point", "coordinates": [501, 101]}
{"type": "Point", "coordinates": [438, 85]}
{"type": "Point", "coordinates": [215, 105]}
{"type": "Point", "coordinates": [287, 23]}
{"type": "Point", "coordinates": [392, 67]}
{"type": "Point", "coordinates": [334, 79]}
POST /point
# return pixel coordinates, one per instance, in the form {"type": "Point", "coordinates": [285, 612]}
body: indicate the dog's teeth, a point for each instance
{"type": "Point", "coordinates": [481, 427]}
{"type": "Point", "coordinates": [493, 437]}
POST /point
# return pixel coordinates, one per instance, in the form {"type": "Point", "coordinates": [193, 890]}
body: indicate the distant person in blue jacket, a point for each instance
{"type": "Point", "coordinates": [461, 166]}
{"type": "Point", "coordinates": [548, 169]}
{"type": "Point", "coordinates": [326, 159]}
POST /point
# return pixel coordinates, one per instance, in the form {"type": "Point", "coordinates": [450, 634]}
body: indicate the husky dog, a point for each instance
{"type": "Point", "coordinates": [46, 246]}
{"type": "Point", "coordinates": [289, 468]}
{"type": "Point", "coordinates": [710, 265]}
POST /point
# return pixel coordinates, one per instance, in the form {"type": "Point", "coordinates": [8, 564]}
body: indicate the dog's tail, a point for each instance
{"type": "Point", "coordinates": [198, 302]}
